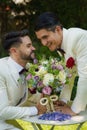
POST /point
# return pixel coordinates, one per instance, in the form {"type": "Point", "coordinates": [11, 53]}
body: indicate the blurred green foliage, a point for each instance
{"type": "Point", "coordinates": [72, 13]}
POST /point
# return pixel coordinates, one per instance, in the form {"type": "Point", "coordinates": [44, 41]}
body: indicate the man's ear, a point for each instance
{"type": "Point", "coordinates": [58, 28]}
{"type": "Point", "coordinates": [12, 49]}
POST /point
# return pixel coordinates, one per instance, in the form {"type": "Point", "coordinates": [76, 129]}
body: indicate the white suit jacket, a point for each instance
{"type": "Point", "coordinates": [10, 93]}
{"type": "Point", "coordinates": [75, 45]}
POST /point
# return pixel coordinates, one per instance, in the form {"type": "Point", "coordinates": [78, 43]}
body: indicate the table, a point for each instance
{"type": "Point", "coordinates": [78, 119]}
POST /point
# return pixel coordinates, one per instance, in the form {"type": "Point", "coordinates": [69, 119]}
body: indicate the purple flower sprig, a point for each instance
{"type": "Point", "coordinates": [55, 116]}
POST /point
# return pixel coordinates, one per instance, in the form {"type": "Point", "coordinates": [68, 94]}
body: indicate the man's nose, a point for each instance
{"type": "Point", "coordinates": [44, 42]}
{"type": "Point", "coordinates": [33, 48]}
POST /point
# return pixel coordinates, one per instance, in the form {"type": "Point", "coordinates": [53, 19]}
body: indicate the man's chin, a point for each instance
{"type": "Point", "coordinates": [51, 49]}
{"type": "Point", "coordinates": [28, 59]}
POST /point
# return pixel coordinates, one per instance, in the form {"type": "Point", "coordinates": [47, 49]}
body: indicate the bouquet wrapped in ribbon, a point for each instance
{"type": "Point", "coordinates": [48, 76]}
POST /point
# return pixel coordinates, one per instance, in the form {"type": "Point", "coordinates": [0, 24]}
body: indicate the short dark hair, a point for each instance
{"type": "Point", "coordinates": [47, 20]}
{"type": "Point", "coordinates": [13, 38]}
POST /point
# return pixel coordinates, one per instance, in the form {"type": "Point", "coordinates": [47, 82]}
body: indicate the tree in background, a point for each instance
{"type": "Point", "coordinates": [20, 14]}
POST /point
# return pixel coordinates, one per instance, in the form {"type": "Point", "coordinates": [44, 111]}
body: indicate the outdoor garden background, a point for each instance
{"type": "Point", "coordinates": [22, 14]}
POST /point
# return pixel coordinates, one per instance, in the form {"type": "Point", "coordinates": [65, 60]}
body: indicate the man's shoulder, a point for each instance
{"type": "Point", "coordinates": [75, 29]}
{"type": "Point", "coordinates": [3, 61]}
{"type": "Point", "coordinates": [76, 33]}
{"type": "Point", "coordinates": [3, 65]}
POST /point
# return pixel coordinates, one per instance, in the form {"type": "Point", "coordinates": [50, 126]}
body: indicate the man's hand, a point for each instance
{"type": "Point", "coordinates": [63, 107]}
{"type": "Point", "coordinates": [41, 109]}
{"type": "Point", "coordinates": [59, 103]}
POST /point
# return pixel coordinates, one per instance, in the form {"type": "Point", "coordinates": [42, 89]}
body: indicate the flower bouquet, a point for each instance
{"type": "Point", "coordinates": [48, 76]}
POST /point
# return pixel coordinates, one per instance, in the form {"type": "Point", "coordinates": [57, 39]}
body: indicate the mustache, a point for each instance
{"type": "Point", "coordinates": [32, 55]}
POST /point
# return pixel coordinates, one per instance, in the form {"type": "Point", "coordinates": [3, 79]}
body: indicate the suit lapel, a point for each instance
{"type": "Point", "coordinates": [13, 71]}
{"type": "Point", "coordinates": [67, 45]}
{"type": "Point", "coordinates": [15, 75]}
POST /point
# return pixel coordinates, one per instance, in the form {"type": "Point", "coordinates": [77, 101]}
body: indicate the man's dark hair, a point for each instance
{"type": "Point", "coordinates": [13, 38]}
{"type": "Point", "coordinates": [47, 20]}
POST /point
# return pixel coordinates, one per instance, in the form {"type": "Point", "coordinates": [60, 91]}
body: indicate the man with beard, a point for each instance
{"type": "Point", "coordinates": [12, 92]}
{"type": "Point", "coordinates": [73, 44]}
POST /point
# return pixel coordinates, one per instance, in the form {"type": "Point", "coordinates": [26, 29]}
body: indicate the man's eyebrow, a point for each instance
{"type": "Point", "coordinates": [29, 43]}
{"type": "Point", "coordinates": [45, 36]}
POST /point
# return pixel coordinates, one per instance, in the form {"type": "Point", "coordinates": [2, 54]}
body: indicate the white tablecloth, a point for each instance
{"type": "Point", "coordinates": [82, 117]}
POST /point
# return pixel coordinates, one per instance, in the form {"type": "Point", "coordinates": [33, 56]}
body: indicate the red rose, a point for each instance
{"type": "Point", "coordinates": [70, 62]}
{"type": "Point", "coordinates": [32, 90]}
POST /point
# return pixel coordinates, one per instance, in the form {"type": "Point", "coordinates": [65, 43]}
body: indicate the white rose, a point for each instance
{"type": "Point", "coordinates": [62, 76]}
{"type": "Point", "coordinates": [28, 65]}
{"type": "Point", "coordinates": [48, 78]}
{"type": "Point", "coordinates": [44, 62]}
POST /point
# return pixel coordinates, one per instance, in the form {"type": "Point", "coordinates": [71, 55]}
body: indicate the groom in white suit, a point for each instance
{"type": "Point", "coordinates": [12, 92]}
{"type": "Point", "coordinates": [73, 43]}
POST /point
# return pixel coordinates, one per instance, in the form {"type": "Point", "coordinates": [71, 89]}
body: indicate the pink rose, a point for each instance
{"type": "Point", "coordinates": [47, 90]}
{"type": "Point", "coordinates": [60, 67]}
{"type": "Point", "coordinates": [29, 76]}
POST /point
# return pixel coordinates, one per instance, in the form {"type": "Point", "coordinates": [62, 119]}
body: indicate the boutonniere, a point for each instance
{"type": "Point", "coordinates": [70, 62]}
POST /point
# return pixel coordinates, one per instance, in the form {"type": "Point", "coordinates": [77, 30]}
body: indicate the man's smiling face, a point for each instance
{"type": "Point", "coordinates": [51, 39]}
